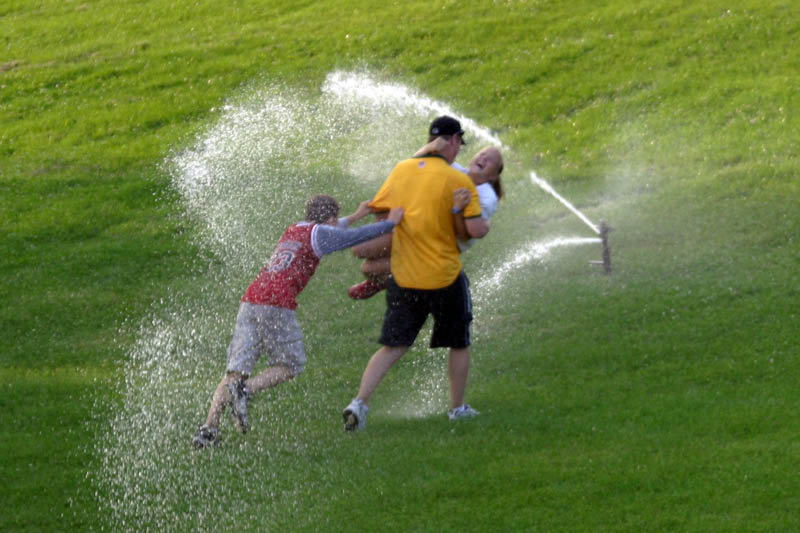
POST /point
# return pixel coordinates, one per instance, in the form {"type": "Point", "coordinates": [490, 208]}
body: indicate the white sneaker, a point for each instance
{"type": "Point", "coordinates": [240, 395]}
{"type": "Point", "coordinates": [465, 411]}
{"type": "Point", "coordinates": [355, 415]}
{"type": "Point", "coordinates": [205, 437]}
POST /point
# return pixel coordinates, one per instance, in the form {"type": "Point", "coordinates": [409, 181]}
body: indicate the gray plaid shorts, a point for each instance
{"type": "Point", "coordinates": [264, 328]}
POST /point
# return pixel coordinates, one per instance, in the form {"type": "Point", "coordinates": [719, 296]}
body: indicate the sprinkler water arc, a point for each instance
{"type": "Point", "coordinates": [602, 230]}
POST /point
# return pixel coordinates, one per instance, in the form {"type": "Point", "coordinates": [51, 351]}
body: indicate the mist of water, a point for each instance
{"type": "Point", "coordinates": [362, 88]}
{"type": "Point", "coordinates": [243, 180]}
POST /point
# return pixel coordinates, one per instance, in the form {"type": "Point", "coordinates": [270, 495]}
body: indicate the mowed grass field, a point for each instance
{"type": "Point", "coordinates": [661, 397]}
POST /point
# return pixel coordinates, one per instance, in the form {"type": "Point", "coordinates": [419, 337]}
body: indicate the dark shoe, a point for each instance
{"type": "Point", "coordinates": [205, 437]}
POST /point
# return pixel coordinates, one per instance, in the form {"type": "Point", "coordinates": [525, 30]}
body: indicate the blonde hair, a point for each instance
{"type": "Point", "coordinates": [497, 185]}
{"type": "Point", "coordinates": [434, 146]}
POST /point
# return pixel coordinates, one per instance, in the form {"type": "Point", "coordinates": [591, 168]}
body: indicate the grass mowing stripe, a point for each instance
{"type": "Point", "coordinates": [47, 452]}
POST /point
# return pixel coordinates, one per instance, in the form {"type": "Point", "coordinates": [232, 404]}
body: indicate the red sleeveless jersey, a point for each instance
{"type": "Point", "coordinates": [288, 272]}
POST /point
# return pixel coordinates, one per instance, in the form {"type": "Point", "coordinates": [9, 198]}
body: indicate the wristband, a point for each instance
{"type": "Point", "coordinates": [456, 211]}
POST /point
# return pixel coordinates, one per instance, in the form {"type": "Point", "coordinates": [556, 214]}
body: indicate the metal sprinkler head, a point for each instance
{"type": "Point", "coordinates": [605, 229]}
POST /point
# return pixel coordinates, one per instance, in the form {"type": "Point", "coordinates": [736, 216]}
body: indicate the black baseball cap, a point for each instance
{"type": "Point", "coordinates": [445, 125]}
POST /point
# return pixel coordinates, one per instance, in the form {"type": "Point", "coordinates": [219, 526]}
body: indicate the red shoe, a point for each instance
{"type": "Point", "coordinates": [365, 289]}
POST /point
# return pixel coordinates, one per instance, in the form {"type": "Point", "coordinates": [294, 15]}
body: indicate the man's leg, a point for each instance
{"type": "Point", "coordinates": [355, 414]}
{"type": "Point", "coordinates": [404, 317]}
{"type": "Point", "coordinates": [452, 318]}
{"type": "Point", "coordinates": [378, 365]}
{"type": "Point", "coordinates": [239, 390]}
{"type": "Point", "coordinates": [458, 369]}
{"type": "Point", "coordinates": [221, 398]}
{"type": "Point", "coordinates": [274, 375]}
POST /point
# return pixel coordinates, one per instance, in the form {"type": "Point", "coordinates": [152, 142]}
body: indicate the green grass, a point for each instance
{"type": "Point", "coordinates": [662, 397]}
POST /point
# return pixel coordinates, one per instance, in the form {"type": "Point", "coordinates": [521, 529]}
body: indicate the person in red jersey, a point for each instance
{"type": "Point", "coordinates": [267, 320]}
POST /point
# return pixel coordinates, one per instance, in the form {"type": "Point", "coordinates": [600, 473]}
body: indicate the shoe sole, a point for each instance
{"type": "Point", "coordinates": [463, 417]}
{"type": "Point", "coordinates": [350, 420]}
{"type": "Point", "coordinates": [203, 444]}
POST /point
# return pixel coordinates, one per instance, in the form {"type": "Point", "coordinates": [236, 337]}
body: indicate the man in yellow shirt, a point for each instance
{"type": "Point", "coordinates": [427, 277]}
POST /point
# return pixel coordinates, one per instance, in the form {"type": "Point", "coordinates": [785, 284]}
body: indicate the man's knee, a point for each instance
{"type": "Point", "coordinates": [366, 267]}
{"type": "Point", "coordinates": [376, 268]}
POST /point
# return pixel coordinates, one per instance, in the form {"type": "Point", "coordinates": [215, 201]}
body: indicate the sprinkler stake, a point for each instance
{"type": "Point", "coordinates": [605, 229]}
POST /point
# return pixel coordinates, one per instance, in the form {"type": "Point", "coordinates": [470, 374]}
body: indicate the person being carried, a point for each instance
{"type": "Point", "coordinates": [484, 170]}
{"type": "Point", "coordinates": [427, 276]}
{"type": "Point", "coordinates": [267, 320]}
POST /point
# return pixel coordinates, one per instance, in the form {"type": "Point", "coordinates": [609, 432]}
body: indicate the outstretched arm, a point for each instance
{"type": "Point", "coordinates": [327, 239]}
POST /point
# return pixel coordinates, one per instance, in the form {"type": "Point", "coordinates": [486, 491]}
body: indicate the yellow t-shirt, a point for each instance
{"type": "Point", "coordinates": [424, 250]}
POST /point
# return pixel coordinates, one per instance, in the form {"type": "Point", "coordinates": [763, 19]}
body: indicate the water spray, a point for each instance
{"type": "Point", "coordinates": [359, 87]}
{"type": "Point", "coordinates": [241, 176]}
{"type": "Point", "coordinates": [602, 230]}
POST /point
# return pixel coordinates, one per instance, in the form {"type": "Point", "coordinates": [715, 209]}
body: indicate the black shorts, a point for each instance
{"type": "Point", "coordinates": [407, 310]}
